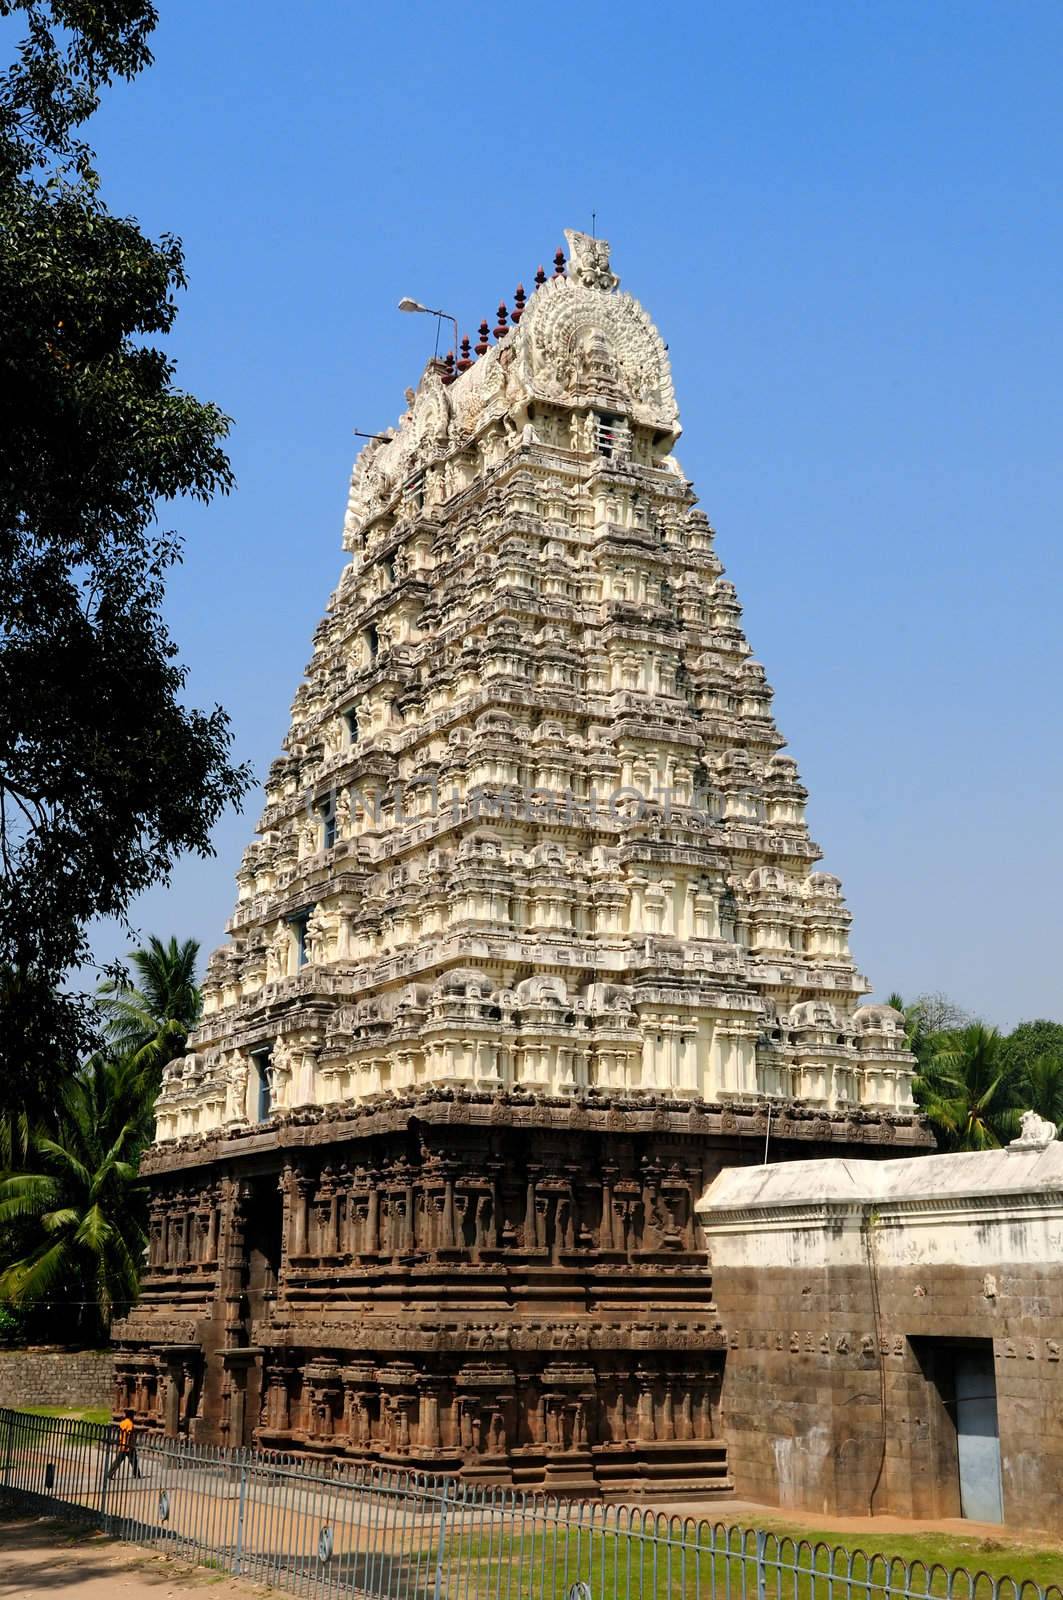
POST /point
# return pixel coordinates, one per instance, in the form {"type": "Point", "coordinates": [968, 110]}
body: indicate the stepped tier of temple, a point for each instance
{"type": "Point", "coordinates": [529, 944]}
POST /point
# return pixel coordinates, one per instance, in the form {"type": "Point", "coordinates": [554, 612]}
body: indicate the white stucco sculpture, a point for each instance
{"type": "Point", "coordinates": [532, 829]}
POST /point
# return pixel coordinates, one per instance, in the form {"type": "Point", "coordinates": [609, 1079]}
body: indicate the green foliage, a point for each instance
{"type": "Point", "coordinates": [72, 1206]}
{"type": "Point", "coordinates": [147, 1021]}
{"type": "Point", "coordinates": [1041, 1088]}
{"type": "Point", "coordinates": [105, 775]}
{"type": "Point", "coordinates": [82, 1202]}
{"type": "Point", "coordinates": [972, 1083]}
{"type": "Point", "coordinates": [1031, 1040]}
{"type": "Point", "coordinates": [15, 1325]}
{"type": "Point", "coordinates": [968, 1089]}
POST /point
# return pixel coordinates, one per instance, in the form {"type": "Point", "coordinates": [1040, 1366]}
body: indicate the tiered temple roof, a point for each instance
{"type": "Point", "coordinates": [532, 833]}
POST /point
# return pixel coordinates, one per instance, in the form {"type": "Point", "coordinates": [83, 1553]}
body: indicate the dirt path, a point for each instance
{"type": "Point", "coordinates": [43, 1556]}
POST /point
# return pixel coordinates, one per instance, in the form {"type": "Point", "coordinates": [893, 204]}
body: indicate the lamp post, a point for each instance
{"type": "Point", "coordinates": [406, 304]}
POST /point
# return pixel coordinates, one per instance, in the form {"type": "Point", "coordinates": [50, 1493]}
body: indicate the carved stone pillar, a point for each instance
{"type": "Point", "coordinates": [537, 1418]}
{"type": "Point", "coordinates": [531, 1232]}
{"type": "Point", "coordinates": [300, 1210]}
{"type": "Point", "coordinates": [684, 1422]}
{"type": "Point", "coordinates": [211, 1248]}
{"type": "Point", "coordinates": [170, 1382]}
{"type": "Point", "coordinates": [277, 1408]}
{"type": "Point", "coordinates": [469, 1423]}
{"type": "Point", "coordinates": [448, 1240]}
{"type": "Point", "coordinates": [646, 1427]}
{"type": "Point", "coordinates": [408, 1238]}
{"type": "Point", "coordinates": [235, 1264]}
{"type": "Point", "coordinates": [666, 1427]}
{"type": "Point", "coordinates": [620, 1417]}
{"type": "Point", "coordinates": [605, 1233]}
{"type": "Point", "coordinates": [372, 1221]}
{"type": "Point", "coordinates": [428, 1436]}
{"type": "Point", "coordinates": [180, 1236]}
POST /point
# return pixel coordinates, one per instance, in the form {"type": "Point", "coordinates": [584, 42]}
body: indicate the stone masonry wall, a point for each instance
{"type": "Point", "coordinates": [831, 1403]}
{"type": "Point", "coordinates": [81, 1380]}
{"type": "Point", "coordinates": [850, 1291]}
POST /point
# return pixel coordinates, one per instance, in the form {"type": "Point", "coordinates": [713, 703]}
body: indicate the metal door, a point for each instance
{"type": "Point", "coordinates": [977, 1439]}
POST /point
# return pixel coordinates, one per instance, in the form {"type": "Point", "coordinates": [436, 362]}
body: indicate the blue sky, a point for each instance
{"type": "Point", "coordinates": [846, 221]}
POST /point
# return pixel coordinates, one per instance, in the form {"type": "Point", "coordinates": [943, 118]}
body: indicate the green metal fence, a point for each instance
{"type": "Point", "coordinates": [337, 1528]}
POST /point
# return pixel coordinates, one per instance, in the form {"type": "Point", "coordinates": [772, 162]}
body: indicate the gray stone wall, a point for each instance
{"type": "Point", "coordinates": [81, 1380]}
{"type": "Point", "coordinates": [829, 1395]}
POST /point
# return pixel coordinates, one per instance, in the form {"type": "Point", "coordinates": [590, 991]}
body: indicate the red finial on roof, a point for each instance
{"type": "Point", "coordinates": [448, 367]}
{"type": "Point", "coordinates": [465, 359]}
{"type": "Point", "coordinates": [518, 304]}
{"type": "Point", "coordinates": [559, 264]}
{"type": "Point", "coordinates": [503, 325]}
{"type": "Point", "coordinates": [485, 335]}
{"type": "Point", "coordinates": [540, 276]}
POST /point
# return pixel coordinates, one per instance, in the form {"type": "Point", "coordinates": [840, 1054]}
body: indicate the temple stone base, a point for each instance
{"type": "Point", "coordinates": [513, 1291]}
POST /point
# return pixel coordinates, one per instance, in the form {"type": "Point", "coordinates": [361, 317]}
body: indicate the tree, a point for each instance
{"type": "Point", "coordinates": [106, 776]}
{"type": "Point", "coordinates": [1031, 1040]}
{"type": "Point", "coordinates": [148, 1021]}
{"type": "Point", "coordinates": [969, 1090]}
{"type": "Point", "coordinates": [1040, 1088]}
{"type": "Point", "coordinates": [79, 1210]}
{"type": "Point", "coordinates": [926, 1017]}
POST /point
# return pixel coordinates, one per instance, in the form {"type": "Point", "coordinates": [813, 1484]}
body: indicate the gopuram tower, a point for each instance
{"type": "Point", "coordinates": [528, 944]}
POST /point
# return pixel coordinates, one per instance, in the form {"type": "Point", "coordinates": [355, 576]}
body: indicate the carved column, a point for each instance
{"type": "Point", "coordinates": [408, 1227]}
{"type": "Point", "coordinates": [428, 1435]}
{"type": "Point", "coordinates": [179, 1234]}
{"type": "Point", "coordinates": [211, 1250]}
{"type": "Point", "coordinates": [646, 1428]}
{"type": "Point", "coordinates": [372, 1221]}
{"type": "Point", "coordinates": [605, 1235]}
{"type": "Point", "coordinates": [667, 1419]}
{"type": "Point", "coordinates": [235, 1266]}
{"type": "Point", "coordinates": [531, 1232]}
{"type": "Point", "coordinates": [300, 1206]}
{"type": "Point", "coordinates": [448, 1240]}
{"type": "Point", "coordinates": [170, 1382]}
{"type": "Point", "coordinates": [684, 1428]}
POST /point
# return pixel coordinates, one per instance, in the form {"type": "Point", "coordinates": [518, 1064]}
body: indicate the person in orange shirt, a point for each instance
{"type": "Point", "coordinates": [127, 1448]}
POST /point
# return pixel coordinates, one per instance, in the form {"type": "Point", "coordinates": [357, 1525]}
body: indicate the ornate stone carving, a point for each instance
{"type": "Point", "coordinates": [588, 261]}
{"type": "Point", "coordinates": [528, 939]}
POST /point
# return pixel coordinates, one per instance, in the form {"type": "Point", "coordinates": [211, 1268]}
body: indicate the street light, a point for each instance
{"type": "Point", "coordinates": [406, 304]}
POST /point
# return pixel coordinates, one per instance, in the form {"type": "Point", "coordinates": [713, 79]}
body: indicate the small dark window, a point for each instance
{"type": "Point", "coordinates": [352, 726]}
{"type": "Point", "coordinates": [298, 926]}
{"type": "Point", "coordinates": [328, 825]}
{"type": "Point", "coordinates": [261, 1059]}
{"type": "Point", "coordinates": [372, 639]}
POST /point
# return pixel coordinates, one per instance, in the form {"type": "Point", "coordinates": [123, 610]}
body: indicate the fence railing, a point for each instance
{"type": "Point", "coordinates": [349, 1528]}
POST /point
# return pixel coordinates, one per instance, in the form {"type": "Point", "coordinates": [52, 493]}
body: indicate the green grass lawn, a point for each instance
{"type": "Point", "coordinates": [1033, 1559]}
{"type": "Point", "coordinates": [545, 1563]}
{"type": "Point", "coordinates": [63, 1411]}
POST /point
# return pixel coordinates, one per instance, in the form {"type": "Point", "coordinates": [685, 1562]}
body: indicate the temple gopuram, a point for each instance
{"type": "Point", "coordinates": [528, 946]}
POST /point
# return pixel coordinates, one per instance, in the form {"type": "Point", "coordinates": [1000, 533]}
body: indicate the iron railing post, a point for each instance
{"type": "Point", "coordinates": [239, 1554]}
{"type": "Point", "coordinates": [9, 1447]}
{"type": "Point", "coordinates": [437, 1593]}
{"type": "Point", "coordinates": [762, 1577]}
{"type": "Point", "coordinates": [105, 1477]}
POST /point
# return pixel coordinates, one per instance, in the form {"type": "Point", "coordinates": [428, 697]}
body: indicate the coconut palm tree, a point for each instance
{"type": "Point", "coordinates": [969, 1089]}
{"type": "Point", "coordinates": [148, 1015]}
{"type": "Point", "coordinates": [79, 1208]}
{"type": "Point", "coordinates": [1040, 1088]}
